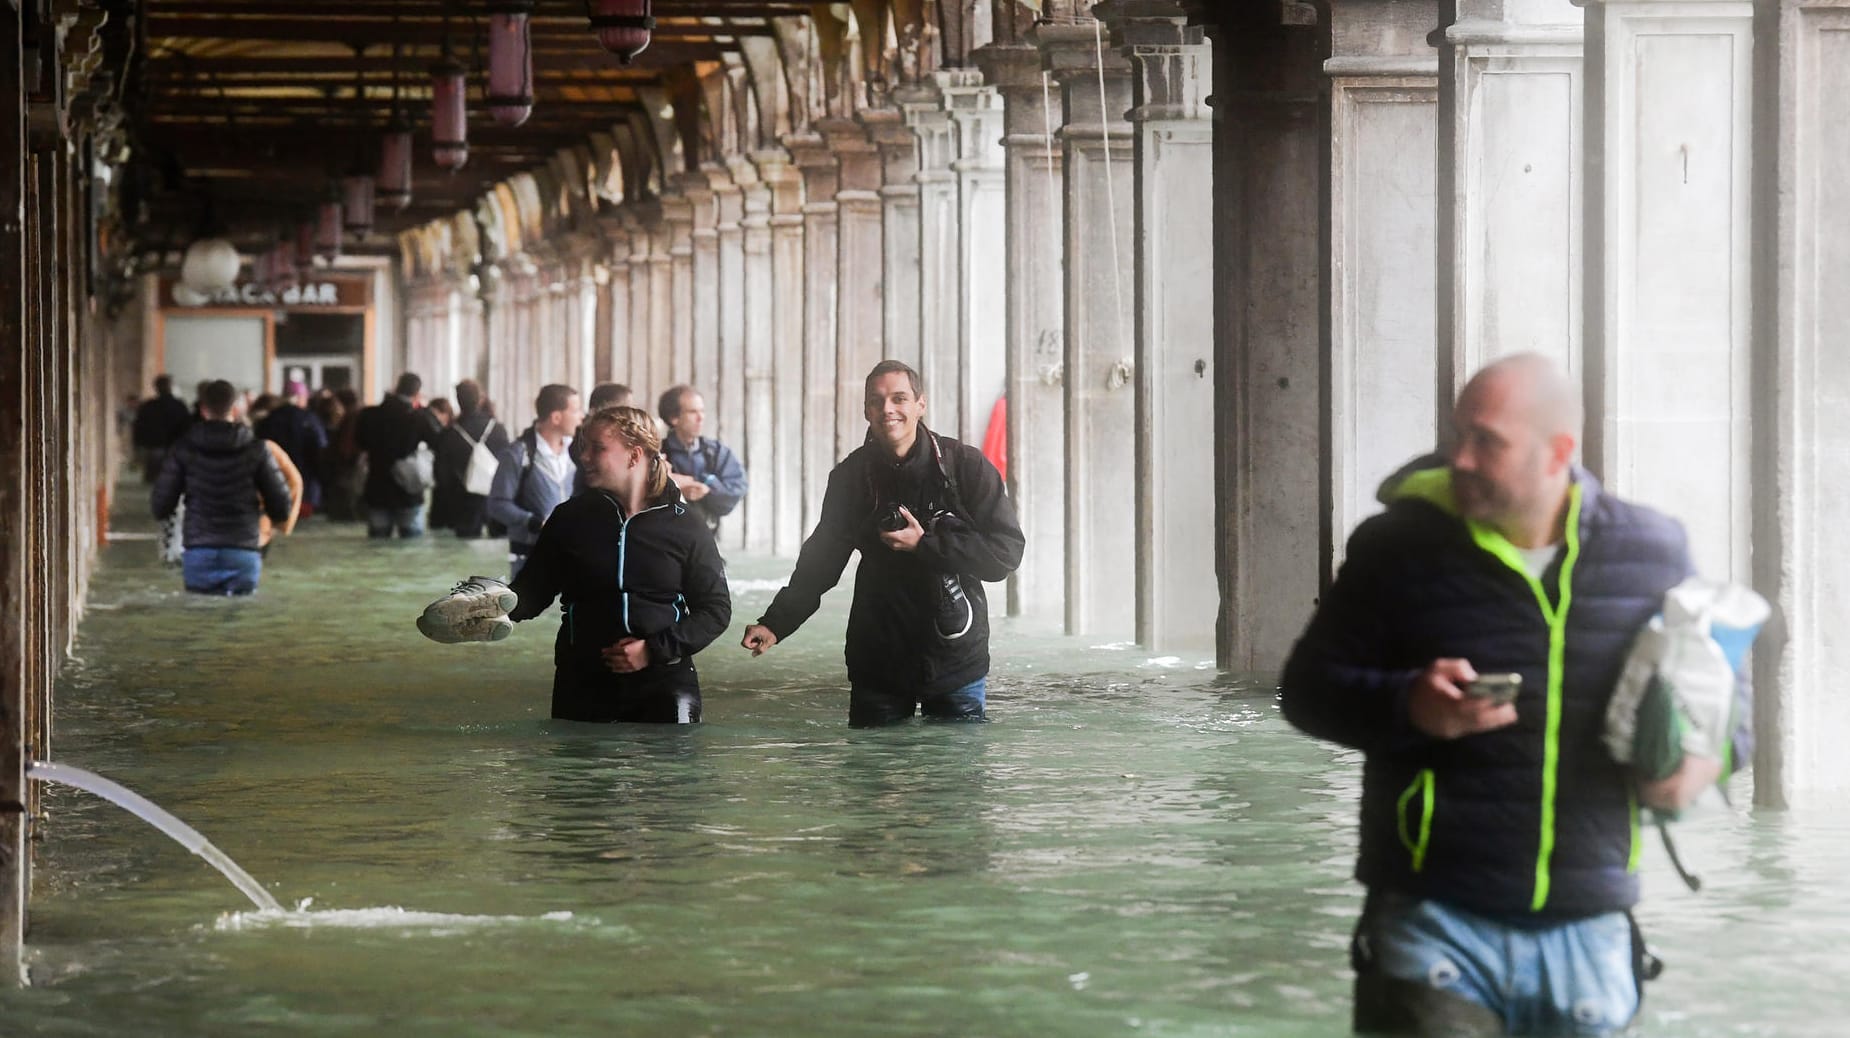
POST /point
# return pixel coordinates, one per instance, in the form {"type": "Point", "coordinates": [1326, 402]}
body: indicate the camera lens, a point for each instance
{"type": "Point", "coordinates": [891, 520]}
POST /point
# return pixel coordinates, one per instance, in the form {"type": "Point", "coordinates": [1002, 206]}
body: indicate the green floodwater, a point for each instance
{"type": "Point", "coordinates": [1132, 846]}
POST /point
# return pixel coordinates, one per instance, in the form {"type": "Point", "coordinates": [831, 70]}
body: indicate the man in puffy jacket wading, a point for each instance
{"type": "Point", "coordinates": [226, 475]}
{"type": "Point", "coordinates": [932, 522]}
{"type": "Point", "coordinates": [1499, 840]}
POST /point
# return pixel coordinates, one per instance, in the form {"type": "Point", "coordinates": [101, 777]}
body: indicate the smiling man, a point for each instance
{"type": "Point", "coordinates": [932, 521]}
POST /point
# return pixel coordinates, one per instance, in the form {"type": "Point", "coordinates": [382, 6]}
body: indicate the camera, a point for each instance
{"type": "Point", "coordinates": [889, 519]}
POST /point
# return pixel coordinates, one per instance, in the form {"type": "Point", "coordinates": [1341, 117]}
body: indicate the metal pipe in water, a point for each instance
{"type": "Point", "coordinates": [145, 809]}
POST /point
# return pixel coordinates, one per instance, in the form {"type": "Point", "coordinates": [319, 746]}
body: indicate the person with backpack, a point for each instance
{"type": "Point", "coordinates": [468, 455]}
{"type": "Point", "coordinates": [395, 435]}
{"type": "Point", "coordinates": [227, 479]}
{"type": "Point", "coordinates": [932, 521]}
{"type": "Point", "coordinates": [706, 470]}
{"type": "Point", "coordinates": [536, 472]}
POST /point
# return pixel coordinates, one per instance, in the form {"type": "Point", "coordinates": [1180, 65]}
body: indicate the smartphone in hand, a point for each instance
{"type": "Point", "coordinates": [1498, 688]}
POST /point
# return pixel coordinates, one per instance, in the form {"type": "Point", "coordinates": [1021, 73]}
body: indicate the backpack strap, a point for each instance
{"type": "Point", "coordinates": [709, 453]}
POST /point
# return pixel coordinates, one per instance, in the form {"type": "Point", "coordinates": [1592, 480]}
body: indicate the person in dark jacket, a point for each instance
{"type": "Point", "coordinates": [643, 586]}
{"type": "Point", "coordinates": [159, 422]}
{"type": "Point", "coordinates": [475, 423]}
{"type": "Point", "coordinates": [706, 470]}
{"type": "Point", "coordinates": [226, 475]}
{"type": "Point", "coordinates": [388, 432]}
{"type": "Point", "coordinates": [299, 433]}
{"type": "Point", "coordinates": [536, 473]}
{"type": "Point", "coordinates": [931, 520]}
{"type": "Point", "coordinates": [1498, 838]}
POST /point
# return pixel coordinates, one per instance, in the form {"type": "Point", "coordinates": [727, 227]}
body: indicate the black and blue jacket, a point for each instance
{"type": "Point", "coordinates": [1531, 821]}
{"type": "Point", "coordinates": [655, 575]}
{"type": "Point", "coordinates": [714, 464]}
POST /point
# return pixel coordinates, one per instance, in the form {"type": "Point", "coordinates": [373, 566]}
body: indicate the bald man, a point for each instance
{"type": "Point", "coordinates": [1469, 647]}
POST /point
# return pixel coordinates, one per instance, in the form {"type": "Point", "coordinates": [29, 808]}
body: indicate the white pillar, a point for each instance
{"type": "Point", "coordinates": [1034, 171]}
{"type": "Point", "coordinates": [860, 315]}
{"type": "Point", "coordinates": [678, 212]}
{"type": "Point", "coordinates": [758, 361]}
{"type": "Point", "coordinates": [1100, 290]}
{"type": "Point", "coordinates": [821, 256]}
{"type": "Point", "coordinates": [786, 307]}
{"type": "Point", "coordinates": [1510, 111]}
{"type": "Point", "coordinates": [725, 383]}
{"type": "Point", "coordinates": [708, 312]}
{"type": "Point", "coordinates": [899, 231]}
{"type": "Point", "coordinates": [1670, 232]}
{"type": "Point", "coordinates": [982, 277]}
{"type": "Point", "coordinates": [612, 363]}
{"type": "Point", "coordinates": [658, 373]}
{"type": "Point", "coordinates": [632, 368]}
{"type": "Point", "coordinates": [936, 237]}
{"type": "Point", "coordinates": [1172, 73]}
{"type": "Point", "coordinates": [585, 360]}
{"type": "Point", "coordinates": [1384, 360]}
{"type": "Point", "coordinates": [1804, 414]}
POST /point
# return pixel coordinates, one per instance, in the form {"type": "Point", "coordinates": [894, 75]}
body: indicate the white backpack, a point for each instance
{"type": "Point", "coordinates": [479, 477]}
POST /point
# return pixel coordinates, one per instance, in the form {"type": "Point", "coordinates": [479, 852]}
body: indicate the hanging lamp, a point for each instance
{"type": "Point", "coordinates": [393, 186]}
{"type": "Point", "coordinates": [623, 26]}
{"type": "Point", "coordinates": [328, 225]}
{"type": "Point", "coordinates": [449, 107]}
{"type": "Point", "coordinates": [510, 61]}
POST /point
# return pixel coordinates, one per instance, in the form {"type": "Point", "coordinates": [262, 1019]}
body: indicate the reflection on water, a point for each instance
{"type": "Point", "coordinates": [1132, 846]}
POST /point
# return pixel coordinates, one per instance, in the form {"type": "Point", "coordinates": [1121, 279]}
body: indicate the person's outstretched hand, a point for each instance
{"type": "Point", "coordinates": [627, 656]}
{"type": "Point", "coordinates": [1437, 703]}
{"type": "Point", "coordinates": [758, 638]}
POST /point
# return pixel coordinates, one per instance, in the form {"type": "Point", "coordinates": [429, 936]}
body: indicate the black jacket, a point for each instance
{"type": "Point", "coordinates": [1531, 821]}
{"type": "Point", "coordinates": [451, 504]}
{"type": "Point", "coordinates": [161, 421]}
{"type": "Point", "coordinates": [655, 575]}
{"type": "Point", "coordinates": [388, 431]}
{"type": "Point", "coordinates": [302, 437]}
{"type": "Point", "coordinates": [223, 470]}
{"type": "Point", "coordinates": [892, 641]}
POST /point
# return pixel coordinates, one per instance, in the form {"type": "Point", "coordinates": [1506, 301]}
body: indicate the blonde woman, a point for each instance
{"type": "Point", "coordinates": [642, 583]}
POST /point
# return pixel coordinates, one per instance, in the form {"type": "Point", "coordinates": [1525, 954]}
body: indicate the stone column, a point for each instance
{"type": "Point", "coordinates": [1802, 414]}
{"type": "Point", "coordinates": [1034, 171]}
{"type": "Point", "coordinates": [982, 277]}
{"type": "Point", "coordinates": [1384, 361]}
{"type": "Point", "coordinates": [936, 238]}
{"type": "Point", "coordinates": [707, 312]}
{"type": "Point", "coordinates": [783, 465]}
{"type": "Point", "coordinates": [860, 314]}
{"type": "Point", "coordinates": [1670, 232]}
{"type": "Point", "coordinates": [1100, 290]}
{"type": "Point", "coordinates": [633, 366]}
{"type": "Point", "coordinates": [1510, 109]}
{"type": "Point", "coordinates": [678, 211]}
{"type": "Point", "coordinates": [725, 385]}
{"type": "Point", "coordinates": [1269, 143]}
{"type": "Point", "coordinates": [16, 689]}
{"type": "Point", "coordinates": [584, 360]}
{"type": "Point", "coordinates": [899, 231]}
{"type": "Point", "coordinates": [757, 362]}
{"type": "Point", "coordinates": [613, 365]}
{"type": "Point", "coordinates": [660, 370]}
{"type": "Point", "coordinates": [1172, 74]}
{"type": "Point", "coordinates": [821, 261]}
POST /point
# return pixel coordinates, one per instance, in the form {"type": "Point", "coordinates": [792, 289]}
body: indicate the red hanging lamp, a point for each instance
{"type": "Point", "coordinates": [510, 61]}
{"type": "Point", "coordinates": [328, 225]}
{"type": "Point", "coordinates": [449, 107]}
{"type": "Point", "coordinates": [305, 244]}
{"type": "Point", "coordinates": [356, 187]}
{"type": "Point", "coordinates": [393, 186]}
{"type": "Point", "coordinates": [623, 26]}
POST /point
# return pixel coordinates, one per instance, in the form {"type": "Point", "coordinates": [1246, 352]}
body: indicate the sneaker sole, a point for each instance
{"type": "Point", "coordinates": [478, 629]}
{"type": "Point", "coordinates": [456, 609]}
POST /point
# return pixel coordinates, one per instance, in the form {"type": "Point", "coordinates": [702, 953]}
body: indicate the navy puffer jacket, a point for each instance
{"type": "Point", "coordinates": [224, 471]}
{"type": "Point", "coordinates": [1531, 821]}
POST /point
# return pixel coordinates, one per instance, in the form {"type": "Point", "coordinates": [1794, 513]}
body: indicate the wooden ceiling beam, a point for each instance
{"type": "Point", "coordinates": [375, 34]}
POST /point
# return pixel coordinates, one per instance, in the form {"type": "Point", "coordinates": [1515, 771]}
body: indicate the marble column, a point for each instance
{"type": "Point", "coordinates": [860, 316]}
{"type": "Point", "coordinates": [975, 111]}
{"type": "Point", "coordinates": [707, 312]}
{"type": "Point", "coordinates": [1802, 414]}
{"type": "Point", "coordinates": [1670, 265]}
{"type": "Point", "coordinates": [899, 232]}
{"type": "Point", "coordinates": [613, 365]}
{"type": "Point", "coordinates": [821, 261]}
{"type": "Point", "coordinates": [783, 465]}
{"type": "Point", "coordinates": [936, 238]}
{"type": "Point", "coordinates": [1271, 128]}
{"type": "Point", "coordinates": [660, 370]}
{"type": "Point", "coordinates": [725, 383]}
{"type": "Point", "coordinates": [1384, 361]}
{"type": "Point", "coordinates": [757, 362]}
{"type": "Point", "coordinates": [678, 212]}
{"type": "Point", "coordinates": [1035, 326]}
{"type": "Point", "coordinates": [1100, 290]}
{"type": "Point", "coordinates": [633, 367]}
{"type": "Point", "coordinates": [584, 360]}
{"type": "Point", "coordinates": [1510, 149]}
{"type": "Point", "coordinates": [1172, 73]}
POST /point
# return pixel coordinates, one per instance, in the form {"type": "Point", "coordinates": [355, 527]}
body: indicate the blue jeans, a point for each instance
{"type": "Point", "coordinates": [221, 571]}
{"type": "Point", "coordinates": [873, 707]}
{"type": "Point", "coordinates": [1573, 978]}
{"type": "Point", "coordinates": [408, 521]}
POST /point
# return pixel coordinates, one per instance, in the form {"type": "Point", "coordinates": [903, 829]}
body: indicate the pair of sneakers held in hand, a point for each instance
{"type": "Point", "coordinates": [475, 610]}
